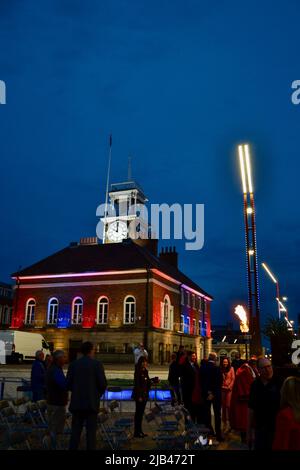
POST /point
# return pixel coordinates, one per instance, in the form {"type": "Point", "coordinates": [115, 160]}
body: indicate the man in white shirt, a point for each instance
{"type": "Point", "coordinates": [138, 352]}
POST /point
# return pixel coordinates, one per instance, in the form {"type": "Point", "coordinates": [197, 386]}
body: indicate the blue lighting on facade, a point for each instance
{"type": "Point", "coordinates": [126, 395]}
{"type": "Point", "coordinates": [64, 317]}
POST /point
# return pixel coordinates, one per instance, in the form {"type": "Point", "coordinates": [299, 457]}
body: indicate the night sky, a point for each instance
{"type": "Point", "coordinates": [179, 84]}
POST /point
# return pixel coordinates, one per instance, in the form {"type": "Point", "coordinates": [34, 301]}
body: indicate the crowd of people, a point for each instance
{"type": "Point", "coordinates": [85, 380]}
{"type": "Point", "coordinates": [246, 396]}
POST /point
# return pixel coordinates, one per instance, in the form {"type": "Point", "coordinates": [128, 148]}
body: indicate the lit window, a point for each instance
{"type": "Point", "coordinates": [187, 326]}
{"type": "Point", "coordinates": [5, 315]}
{"type": "Point", "coordinates": [167, 312]}
{"type": "Point", "coordinates": [30, 311]}
{"type": "Point", "coordinates": [102, 312]}
{"type": "Point", "coordinates": [52, 311]}
{"type": "Point", "coordinates": [182, 323]}
{"type": "Point", "coordinates": [77, 310]}
{"type": "Point", "coordinates": [200, 327]}
{"type": "Point", "coordinates": [129, 310]}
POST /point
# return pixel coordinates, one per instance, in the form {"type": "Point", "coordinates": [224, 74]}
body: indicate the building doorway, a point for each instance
{"type": "Point", "coordinates": [168, 353]}
{"type": "Point", "coordinates": [161, 353]}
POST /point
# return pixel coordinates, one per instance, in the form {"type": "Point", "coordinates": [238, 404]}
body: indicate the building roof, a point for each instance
{"type": "Point", "coordinates": [84, 258]}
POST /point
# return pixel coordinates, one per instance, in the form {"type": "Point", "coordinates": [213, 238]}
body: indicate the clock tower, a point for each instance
{"type": "Point", "coordinates": [126, 198]}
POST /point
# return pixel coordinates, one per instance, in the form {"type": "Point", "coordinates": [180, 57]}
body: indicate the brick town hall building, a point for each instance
{"type": "Point", "coordinates": [116, 294]}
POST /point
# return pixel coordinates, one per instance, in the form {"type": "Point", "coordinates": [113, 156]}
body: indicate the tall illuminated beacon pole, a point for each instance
{"type": "Point", "coordinates": [251, 250]}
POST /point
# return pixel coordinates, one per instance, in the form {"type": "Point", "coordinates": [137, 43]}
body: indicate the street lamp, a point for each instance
{"type": "Point", "coordinates": [251, 249]}
{"type": "Point", "coordinates": [281, 307]}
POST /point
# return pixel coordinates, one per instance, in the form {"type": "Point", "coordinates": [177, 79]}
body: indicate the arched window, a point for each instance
{"type": "Point", "coordinates": [77, 309]}
{"type": "Point", "coordinates": [30, 311]}
{"type": "Point", "coordinates": [102, 311]}
{"type": "Point", "coordinates": [166, 314]}
{"type": "Point", "coordinates": [52, 311]}
{"type": "Point", "coordinates": [129, 310]}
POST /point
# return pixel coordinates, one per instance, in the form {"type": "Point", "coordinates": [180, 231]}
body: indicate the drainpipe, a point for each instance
{"type": "Point", "coordinates": [147, 312]}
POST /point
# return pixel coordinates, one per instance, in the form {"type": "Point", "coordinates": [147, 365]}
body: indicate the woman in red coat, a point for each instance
{"type": "Point", "coordinates": [287, 432]}
{"type": "Point", "coordinates": [238, 414]}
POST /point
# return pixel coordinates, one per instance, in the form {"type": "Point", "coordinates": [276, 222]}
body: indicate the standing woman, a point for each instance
{"type": "Point", "coordinates": [227, 386]}
{"type": "Point", "coordinates": [287, 432]}
{"type": "Point", "coordinates": [140, 394]}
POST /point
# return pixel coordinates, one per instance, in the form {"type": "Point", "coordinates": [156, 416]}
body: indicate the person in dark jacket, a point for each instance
{"type": "Point", "coordinates": [211, 380]}
{"type": "Point", "coordinates": [173, 379]}
{"type": "Point", "coordinates": [140, 394]}
{"type": "Point", "coordinates": [87, 382]}
{"type": "Point", "coordinates": [263, 406]}
{"type": "Point", "coordinates": [38, 377]}
{"type": "Point", "coordinates": [237, 361]}
{"type": "Point", "coordinates": [191, 387]}
{"type": "Point", "coordinates": [57, 396]}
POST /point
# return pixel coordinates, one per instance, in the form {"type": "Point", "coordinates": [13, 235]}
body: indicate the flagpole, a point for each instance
{"type": "Point", "coordinates": [107, 187]}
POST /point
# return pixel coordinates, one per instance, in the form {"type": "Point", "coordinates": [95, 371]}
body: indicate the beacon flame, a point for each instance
{"type": "Point", "coordinates": [242, 315]}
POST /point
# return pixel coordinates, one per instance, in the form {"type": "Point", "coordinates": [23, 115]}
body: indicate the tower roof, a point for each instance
{"type": "Point", "coordinates": [127, 186]}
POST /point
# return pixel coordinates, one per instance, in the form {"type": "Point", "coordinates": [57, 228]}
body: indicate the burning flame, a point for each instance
{"type": "Point", "coordinates": [242, 314]}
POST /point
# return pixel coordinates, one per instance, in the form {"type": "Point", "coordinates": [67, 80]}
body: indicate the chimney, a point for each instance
{"type": "Point", "coordinates": [169, 255]}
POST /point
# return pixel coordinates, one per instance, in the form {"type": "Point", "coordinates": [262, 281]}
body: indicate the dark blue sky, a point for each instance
{"type": "Point", "coordinates": [179, 84]}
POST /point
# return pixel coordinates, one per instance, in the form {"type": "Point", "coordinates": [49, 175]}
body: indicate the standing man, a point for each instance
{"type": "Point", "coordinates": [87, 382]}
{"type": "Point", "coordinates": [38, 377]}
{"type": "Point", "coordinates": [211, 382]}
{"type": "Point", "coordinates": [191, 388]}
{"type": "Point", "coordinates": [57, 396]}
{"type": "Point", "coordinates": [140, 351]}
{"type": "Point", "coordinates": [264, 404]}
{"type": "Point", "coordinates": [173, 379]}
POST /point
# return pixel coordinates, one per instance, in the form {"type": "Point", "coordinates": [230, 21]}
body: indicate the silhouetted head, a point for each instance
{"type": "Point", "coordinates": [87, 348]}
{"type": "Point", "coordinates": [39, 355]}
{"type": "Point", "coordinates": [59, 357]}
{"type": "Point", "coordinates": [213, 357]}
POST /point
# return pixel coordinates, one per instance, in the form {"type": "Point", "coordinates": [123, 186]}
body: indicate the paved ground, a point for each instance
{"type": "Point", "coordinates": [115, 371]}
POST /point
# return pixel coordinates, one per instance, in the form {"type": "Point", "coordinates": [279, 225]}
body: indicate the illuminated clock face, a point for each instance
{"type": "Point", "coordinates": [117, 231]}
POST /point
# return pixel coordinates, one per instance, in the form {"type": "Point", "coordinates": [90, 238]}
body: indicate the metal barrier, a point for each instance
{"type": "Point", "coordinates": [23, 385]}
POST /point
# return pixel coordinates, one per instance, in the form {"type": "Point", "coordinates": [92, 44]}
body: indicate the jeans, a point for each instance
{"type": "Point", "coordinates": [79, 418]}
{"type": "Point", "coordinates": [216, 403]}
{"type": "Point", "coordinates": [138, 417]}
